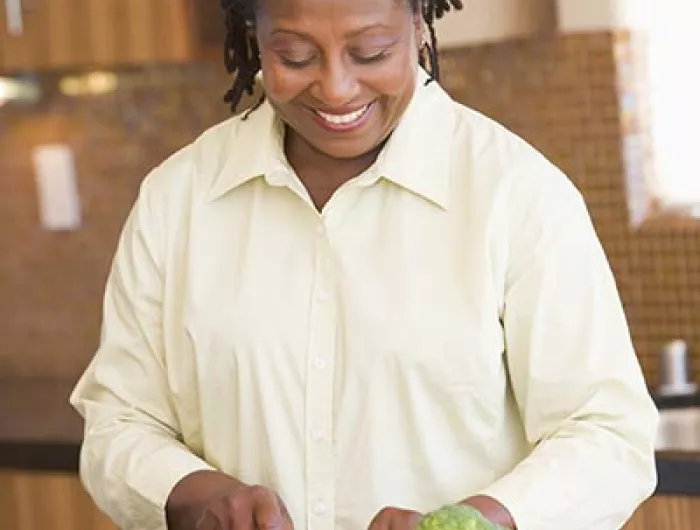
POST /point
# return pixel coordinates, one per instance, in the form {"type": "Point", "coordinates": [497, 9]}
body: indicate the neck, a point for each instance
{"type": "Point", "coordinates": [320, 173]}
{"type": "Point", "coordinates": [305, 157]}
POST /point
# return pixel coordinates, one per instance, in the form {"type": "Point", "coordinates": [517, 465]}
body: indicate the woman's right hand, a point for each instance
{"type": "Point", "coordinates": [208, 500]}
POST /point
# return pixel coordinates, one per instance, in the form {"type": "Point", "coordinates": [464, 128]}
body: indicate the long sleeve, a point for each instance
{"type": "Point", "coordinates": [575, 376]}
{"type": "Point", "coordinates": [132, 455]}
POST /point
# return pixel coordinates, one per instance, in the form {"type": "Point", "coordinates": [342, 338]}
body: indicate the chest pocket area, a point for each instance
{"type": "Point", "coordinates": [459, 351]}
{"type": "Point", "coordinates": [456, 355]}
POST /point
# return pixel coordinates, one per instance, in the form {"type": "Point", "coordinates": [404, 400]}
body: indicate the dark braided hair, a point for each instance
{"type": "Point", "coordinates": [242, 56]}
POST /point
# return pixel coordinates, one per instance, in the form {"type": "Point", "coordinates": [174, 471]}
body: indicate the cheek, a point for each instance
{"type": "Point", "coordinates": [397, 80]}
{"type": "Point", "coordinates": [395, 76]}
{"type": "Point", "coordinates": [281, 84]}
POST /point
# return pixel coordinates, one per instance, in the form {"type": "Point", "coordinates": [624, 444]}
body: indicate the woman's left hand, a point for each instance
{"type": "Point", "coordinates": [391, 518]}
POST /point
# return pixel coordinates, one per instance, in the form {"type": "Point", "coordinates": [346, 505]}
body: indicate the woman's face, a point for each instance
{"type": "Point", "coordinates": [339, 72]}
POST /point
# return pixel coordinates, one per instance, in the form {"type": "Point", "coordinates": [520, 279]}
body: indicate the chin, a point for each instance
{"type": "Point", "coordinates": [346, 154]}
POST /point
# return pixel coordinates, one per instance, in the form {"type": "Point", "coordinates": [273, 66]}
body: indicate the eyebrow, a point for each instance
{"type": "Point", "coordinates": [353, 33]}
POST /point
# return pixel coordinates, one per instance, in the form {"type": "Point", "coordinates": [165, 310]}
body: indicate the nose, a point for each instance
{"type": "Point", "coordinates": [336, 84]}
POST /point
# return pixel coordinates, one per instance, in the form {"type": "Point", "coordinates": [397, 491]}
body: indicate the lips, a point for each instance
{"type": "Point", "coordinates": [343, 121]}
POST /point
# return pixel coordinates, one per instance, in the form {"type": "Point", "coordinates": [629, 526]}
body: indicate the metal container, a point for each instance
{"type": "Point", "coordinates": [679, 430]}
{"type": "Point", "coordinates": [675, 376]}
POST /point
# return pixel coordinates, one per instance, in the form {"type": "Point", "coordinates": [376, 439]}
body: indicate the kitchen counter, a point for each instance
{"type": "Point", "coordinates": [679, 473]}
{"type": "Point", "coordinates": [677, 402]}
{"type": "Point", "coordinates": [41, 432]}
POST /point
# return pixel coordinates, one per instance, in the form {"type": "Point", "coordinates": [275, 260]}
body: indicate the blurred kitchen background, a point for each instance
{"type": "Point", "coordinates": [95, 93]}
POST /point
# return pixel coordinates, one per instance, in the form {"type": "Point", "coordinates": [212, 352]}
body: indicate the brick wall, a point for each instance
{"type": "Point", "coordinates": [51, 283]}
{"type": "Point", "coordinates": [580, 100]}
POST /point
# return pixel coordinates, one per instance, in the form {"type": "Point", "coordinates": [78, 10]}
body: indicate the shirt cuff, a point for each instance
{"type": "Point", "coordinates": [514, 492]}
{"type": "Point", "coordinates": [149, 485]}
{"type": "Point", "coordinates": [504, 492]}
{"type": "Point", "coordinates": [164, 471]}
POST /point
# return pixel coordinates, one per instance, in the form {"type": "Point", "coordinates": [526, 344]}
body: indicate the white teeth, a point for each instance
{"type": "Point", "coordinates": [343, 119]}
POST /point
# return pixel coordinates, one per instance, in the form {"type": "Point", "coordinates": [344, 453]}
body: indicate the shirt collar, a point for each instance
{"type": "Point", "coordinates": [417, 156]}
{"type": "Point", "coordinates": [254, 149]}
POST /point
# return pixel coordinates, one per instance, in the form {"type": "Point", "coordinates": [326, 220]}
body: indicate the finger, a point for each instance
{"type": "Point", "coordinates": [395, 519]}
{"type": "Point", "coordinates": [268, 513]}
{"type": "Point", "coordinates": [381, 520]}
{"type": "Point", "coordinates": [287, 519]}
{"type": "Point", "coordinates": [241, 518]}
{"type": "Point", "coordinates": [413, 519]}
{"type": "Point", "coordinates": [213, 519]}
{"type": "Point", "coordinates": [240, 512]}
{"type": "Point", "coordinates": [206, 522]}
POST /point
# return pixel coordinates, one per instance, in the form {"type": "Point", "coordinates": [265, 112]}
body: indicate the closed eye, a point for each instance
{"type": "Point", "coordinates": [369, 59]}
{"type": "Point", "coordinates": [296, 64]}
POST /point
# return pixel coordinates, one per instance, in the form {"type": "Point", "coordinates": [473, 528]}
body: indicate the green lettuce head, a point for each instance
{"type": "Point", "coordinates": [456, 517]}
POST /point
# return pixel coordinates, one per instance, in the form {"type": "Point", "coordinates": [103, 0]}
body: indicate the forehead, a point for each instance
{"type": "Point", "coordinates": [345, 14]}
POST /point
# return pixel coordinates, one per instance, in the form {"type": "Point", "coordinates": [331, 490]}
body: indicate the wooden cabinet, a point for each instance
{"type": "Point", "coordinates": [53, 501]}
{"type": "Point", "coordinates": [58, 34]}
{"type": "Point", "coordinates": [667, 513]}
{"type": "Point", "coordinates": [37, 501]}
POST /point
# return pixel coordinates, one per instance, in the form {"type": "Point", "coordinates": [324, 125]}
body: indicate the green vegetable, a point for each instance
{"type": "Point", "coordinates": [456, 517]}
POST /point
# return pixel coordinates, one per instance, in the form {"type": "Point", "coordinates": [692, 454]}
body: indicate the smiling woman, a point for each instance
{"type": "Point", "coordinates": [241, 46]}
{"type": "Point", "coordinates": [358, 302]}
{"type": "Point", "coordinates": [340, 78]}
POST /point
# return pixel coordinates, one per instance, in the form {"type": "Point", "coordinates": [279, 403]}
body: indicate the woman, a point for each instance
{"type": "Point", "coordinates": [358, 302]}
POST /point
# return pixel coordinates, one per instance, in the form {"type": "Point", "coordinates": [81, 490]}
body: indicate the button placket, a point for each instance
{"type": "Point", "coordinates": [319, 363]}
{"type": "Point", "coordinates": [320, 466]}
{"type": "Point", "coordinates": [318, 434]}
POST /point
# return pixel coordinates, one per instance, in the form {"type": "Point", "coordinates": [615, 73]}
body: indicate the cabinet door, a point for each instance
{"type": "Point", "coordinates": [47, 501]}
{"type": "Point", "coordinates": [210, 29]}
{"type": "Point", "coordinates": [141, 31]}
{"type": "Point", "coordinates": [3, 28]}
{"type": "Point", "coordinates": [56, 34]}
{"type": "Point", "coordinates": [667, 513]}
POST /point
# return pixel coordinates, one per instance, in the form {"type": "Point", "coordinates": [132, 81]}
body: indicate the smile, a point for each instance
{"type": "Point", "coordinates": [343, 119]}
{"type": "Point", "coordinates": [343, 122]}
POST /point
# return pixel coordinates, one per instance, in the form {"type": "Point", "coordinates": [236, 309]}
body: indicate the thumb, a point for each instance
{"type": "Point", "coordinates": [269, 513]}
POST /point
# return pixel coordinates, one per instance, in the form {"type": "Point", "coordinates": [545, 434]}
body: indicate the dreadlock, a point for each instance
{"type": "Point", "coordinates": [242, 56]}
{"type": "Point", "coordinates": [432, 10]}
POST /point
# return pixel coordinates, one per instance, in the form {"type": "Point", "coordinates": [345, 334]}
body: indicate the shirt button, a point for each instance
{"type": "Point", "coordinates": [323, 296]}
{"type": "Point", "coordinates": [320, 229]}
{"type": "Point", "coordinates": [320, 508]}
{"type": "Point", "coordinates": [318, 435]}
{"type": "Point", "coordinates": [319, 363]}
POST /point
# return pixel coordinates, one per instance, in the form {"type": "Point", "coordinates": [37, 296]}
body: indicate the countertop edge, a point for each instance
{"type": "Point", "coordinates": [59, 457]}
{"type": "Point", "coordinates": [677, 476]}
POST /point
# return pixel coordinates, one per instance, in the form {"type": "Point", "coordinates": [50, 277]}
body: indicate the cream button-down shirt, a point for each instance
{"type": "Point", "coordinates": [448, 325]}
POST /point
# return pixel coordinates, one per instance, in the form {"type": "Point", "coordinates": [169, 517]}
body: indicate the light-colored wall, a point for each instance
{"type": "Point", "coordinates": [483, 21]}
{"type": "Point", "coordinates": [596, 15]}
{"type": "Point", "coordinates": [495, 20]}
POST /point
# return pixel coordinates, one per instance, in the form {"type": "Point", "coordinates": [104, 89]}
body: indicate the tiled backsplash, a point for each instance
{"type": "Point", "coordinates": [51, 283]}
{"type": "Point", "coordinates": [561, 94]}
{"type": "Point", "coordinates": [578, 98]}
